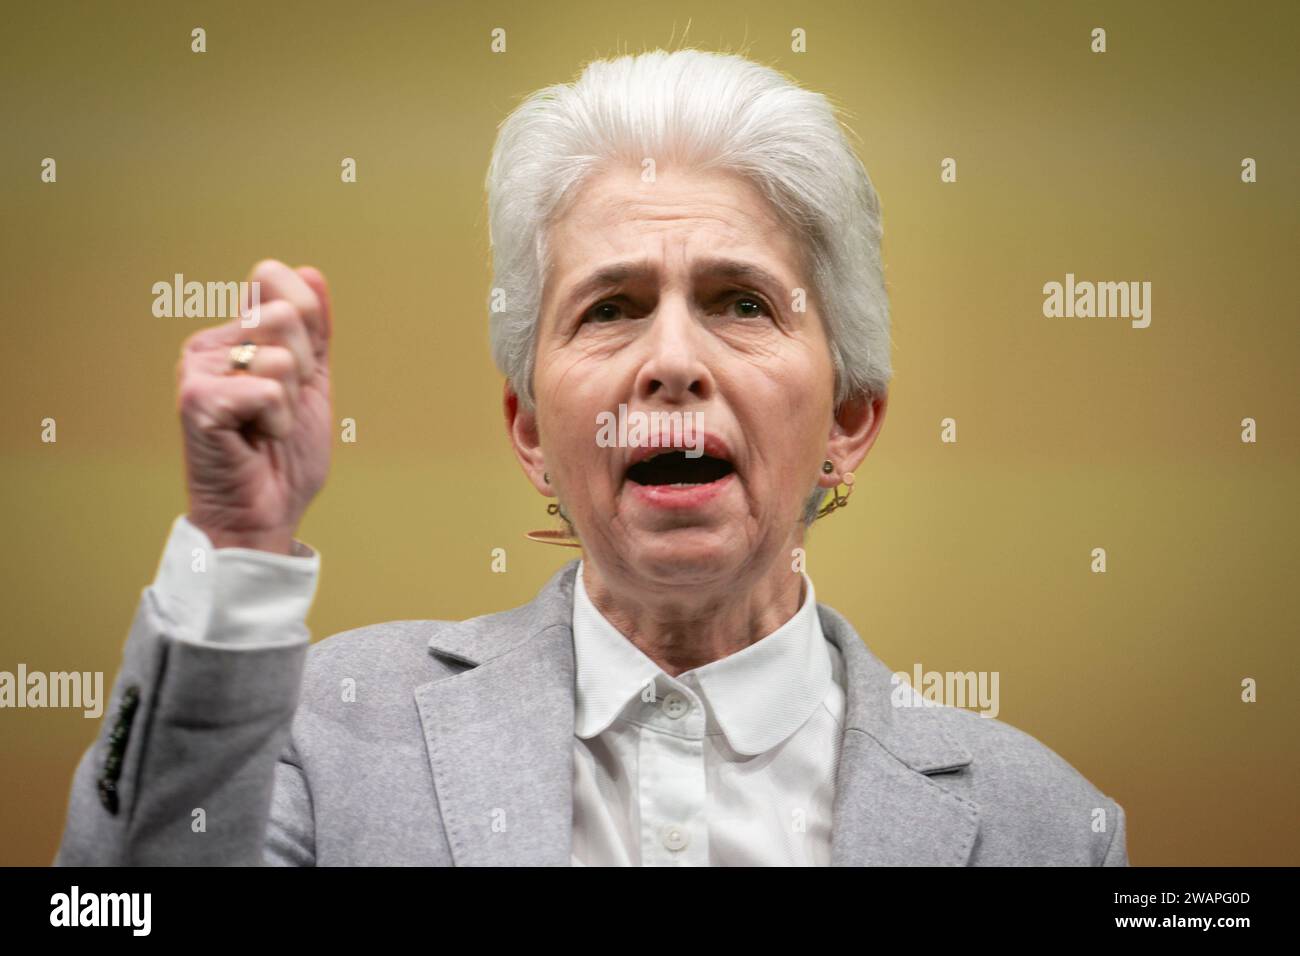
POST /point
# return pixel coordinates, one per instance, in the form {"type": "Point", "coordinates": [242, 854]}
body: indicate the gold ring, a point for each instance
{"type": "Point", "coordinates": [241, 356]}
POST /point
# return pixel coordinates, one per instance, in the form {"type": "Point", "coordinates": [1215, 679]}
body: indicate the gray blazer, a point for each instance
{"type": "Point", "coordinates": [456, 748]}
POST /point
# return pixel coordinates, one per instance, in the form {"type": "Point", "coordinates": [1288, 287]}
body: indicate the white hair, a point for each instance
{"type": "Point", "coordinates": [714, 111]}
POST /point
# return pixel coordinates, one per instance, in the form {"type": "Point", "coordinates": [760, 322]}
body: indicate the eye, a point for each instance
{"type": "Point", "coordinates": [603, 312]}
{"type": "Point", "coordinates": [753, 306]}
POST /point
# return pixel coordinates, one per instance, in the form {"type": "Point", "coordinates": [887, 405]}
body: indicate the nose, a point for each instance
{"type": "Point", "coordinates": [675, 369]}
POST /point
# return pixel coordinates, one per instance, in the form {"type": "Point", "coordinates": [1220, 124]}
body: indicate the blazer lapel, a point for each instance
{"type": "Point", "coordinates": [500, 733]}
{"type": "Point", "coordinates": [500, 746]}
{"type": "Point", "coordinates": [891, 808]}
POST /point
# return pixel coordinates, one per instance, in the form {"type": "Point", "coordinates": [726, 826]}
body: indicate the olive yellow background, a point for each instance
{"type": "Point", "coordinates": [1073, 433]}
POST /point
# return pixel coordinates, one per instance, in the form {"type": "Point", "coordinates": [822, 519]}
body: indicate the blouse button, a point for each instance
{"type": "Point", "coordinates": [675, 837]}
{"type": "Point", "coordinates": [675, 705]}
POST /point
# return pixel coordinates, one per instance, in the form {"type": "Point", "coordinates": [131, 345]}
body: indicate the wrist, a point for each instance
{"type": "Point", "coordinates": [274, 541]}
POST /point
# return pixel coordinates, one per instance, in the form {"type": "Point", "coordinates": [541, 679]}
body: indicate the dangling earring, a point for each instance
{"type": "Point", "coordinates": [837, 500]}
{"type": "Point", "coordinates": [554, 536]}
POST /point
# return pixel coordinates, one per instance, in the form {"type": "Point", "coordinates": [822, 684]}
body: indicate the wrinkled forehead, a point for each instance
{"type": "Point", "coordinates": [706, 224]}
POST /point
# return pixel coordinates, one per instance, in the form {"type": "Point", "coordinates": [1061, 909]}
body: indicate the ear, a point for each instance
{"type": "Point", "coordinates": [521, 426]}
{"type": "Point", "coordinates": [854, 429]}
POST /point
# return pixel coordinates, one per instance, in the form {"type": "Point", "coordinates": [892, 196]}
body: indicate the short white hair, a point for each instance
{"type": "Point", "coordinates": [715, 111]}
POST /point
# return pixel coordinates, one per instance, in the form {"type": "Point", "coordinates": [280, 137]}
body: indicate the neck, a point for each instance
{"type": "Point", "coordinates": [691, 627]}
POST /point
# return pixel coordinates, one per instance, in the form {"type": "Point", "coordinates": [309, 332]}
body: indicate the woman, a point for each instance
{"type": "Point", "coordinates": [684, 234]}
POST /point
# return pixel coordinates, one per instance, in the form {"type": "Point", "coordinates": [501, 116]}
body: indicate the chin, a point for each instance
{"type": "Point", "coordinates": [687, 555]}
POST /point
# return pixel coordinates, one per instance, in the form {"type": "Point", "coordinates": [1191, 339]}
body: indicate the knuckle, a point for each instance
{"type": "Point", "coordinates": [266, 268]}
{"type": "Point", "coordinates": [276, 362]}
{"type": "Point", "coordinates": [273, 392]}
{"type": "Point", "coordinates": [191, 395]}
{"type": "Point", "coordinates": [195, 342]}
{"type": "Point", "coordinates": [279, 317]}
{"type": "Point", "coordinates": [311, 303]}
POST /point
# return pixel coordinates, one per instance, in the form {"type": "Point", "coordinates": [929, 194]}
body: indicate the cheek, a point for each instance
{"type": "Point", "coordinates": [797, 390]}
{"type": "Point", "coordinates": [795, 436]}
{"type": "Point", "coordinates": [568, 431]}
{"type": "Point", "coordinates": [575, 379]}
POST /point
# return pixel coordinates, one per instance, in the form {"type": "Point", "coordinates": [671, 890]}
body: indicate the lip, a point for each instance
{"type": "Point", "coordinates": [670, 498]}
{"type": "Point", "coordinates": [714, 447]}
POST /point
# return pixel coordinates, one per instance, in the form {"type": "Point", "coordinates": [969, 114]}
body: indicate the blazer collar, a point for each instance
{"type": "Point", "coordinates": [500, 745]}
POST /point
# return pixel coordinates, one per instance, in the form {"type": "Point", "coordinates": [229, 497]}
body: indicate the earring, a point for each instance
{"type": "Point", "coordinates": [837, 500]}
{"type": "Point", "coordinates": [551, 535]}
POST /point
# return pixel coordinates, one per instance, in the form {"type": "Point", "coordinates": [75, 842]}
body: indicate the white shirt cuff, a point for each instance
{"type": "Point", "coordinates": [237, 596]}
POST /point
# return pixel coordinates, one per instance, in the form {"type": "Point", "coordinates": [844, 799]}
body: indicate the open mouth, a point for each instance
{"type": "Point", "coordinates": [673, 468]}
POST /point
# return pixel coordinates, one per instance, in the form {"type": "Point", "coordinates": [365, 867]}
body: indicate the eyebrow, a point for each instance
{"type": "Point", "coordinates": [735, 270]}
